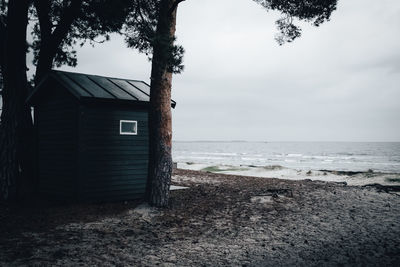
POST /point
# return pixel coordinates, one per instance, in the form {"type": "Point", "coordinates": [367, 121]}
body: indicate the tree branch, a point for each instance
{"type": "Point", "coordinates": [49, 46]}
{"type": "Point", "coordinates": [144, 21]}
{"type": "Point", "coordinates": [3, 5]}
{"type": "Point", "coordinates": [43, 10]}
{"type": "Point", "coordinates": [65, 23]}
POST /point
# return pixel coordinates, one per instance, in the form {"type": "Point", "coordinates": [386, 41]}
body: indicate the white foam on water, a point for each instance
{"type": "Point", "coordinates": [304, 156]}
{"type": "Point", "coordinates": [294, 155]}
{"type": "Point", "coordinates": [293, 174]}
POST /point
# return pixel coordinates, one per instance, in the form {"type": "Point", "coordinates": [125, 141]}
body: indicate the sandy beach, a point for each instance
{"type": "Point", "coordinates": [219, 220]}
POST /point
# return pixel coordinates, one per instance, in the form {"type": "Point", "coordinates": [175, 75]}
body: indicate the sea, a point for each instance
{"type": "Point", "coordinates": [367, 157]}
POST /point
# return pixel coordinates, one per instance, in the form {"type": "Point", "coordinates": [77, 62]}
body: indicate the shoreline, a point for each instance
{"type": "Point", "coordinates": [277, 171]}
{"type": "Point", "coordinates": [219, 220]}
{"type": "Point", "coordinates": [392, 188]}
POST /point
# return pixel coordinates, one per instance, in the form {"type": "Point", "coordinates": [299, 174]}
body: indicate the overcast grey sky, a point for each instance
{"type": "Point", "coordinates": [338, 82]}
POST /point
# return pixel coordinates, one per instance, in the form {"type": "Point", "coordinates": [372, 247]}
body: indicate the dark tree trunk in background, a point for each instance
{"type": "Point", "coordinates": [45, 63]}
{"type": "Point", "coordinates": [51, 40]}
{"type": "Point", "coordinates": [2, 48]}
{"type": "Point", "coordinates": [16, 129]}
{"type": "Point", "coordinates": [160, 124]}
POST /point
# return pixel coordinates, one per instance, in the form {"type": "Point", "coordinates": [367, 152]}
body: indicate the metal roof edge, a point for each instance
{"type": "Point", "coordinates": [64, 84]}
{"type": "Point", "coordinates": [138, 103]}
{"type": "Point", "coordinates": [45, 79]}
{"type": "Point", "coordinates": [173, 102]}
{"type": "Point", "coordinates": [36, 89]}
{"type": "Point", "coordinates": [107, 77]}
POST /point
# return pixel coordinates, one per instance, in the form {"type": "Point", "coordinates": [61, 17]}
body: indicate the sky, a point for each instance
{"type": "Point", "coordinates": [337, 82]}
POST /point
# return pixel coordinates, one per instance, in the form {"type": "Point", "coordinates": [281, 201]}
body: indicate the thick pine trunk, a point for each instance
{"type": "Point", "coordinates": [16, 129]}
{"type": "Point", "coordinates": [160, 123]}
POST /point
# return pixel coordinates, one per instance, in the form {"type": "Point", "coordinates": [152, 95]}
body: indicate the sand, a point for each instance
{"type": "Point", "coordinates": [218, 220]}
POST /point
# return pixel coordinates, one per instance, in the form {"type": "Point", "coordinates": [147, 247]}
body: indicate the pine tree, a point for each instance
{"type": "Point", "coordinates": [151, 29]}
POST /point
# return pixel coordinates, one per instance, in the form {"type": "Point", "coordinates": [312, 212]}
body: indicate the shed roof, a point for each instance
{"type": "Point", "coordinates": [84, 86]}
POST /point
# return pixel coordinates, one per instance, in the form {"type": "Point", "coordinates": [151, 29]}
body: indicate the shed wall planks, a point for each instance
{"type": "Point", "coordinates": [113, 166]}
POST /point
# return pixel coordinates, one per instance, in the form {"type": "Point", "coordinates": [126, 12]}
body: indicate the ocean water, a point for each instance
{"type": "Point", "coordinates": [337, 156]}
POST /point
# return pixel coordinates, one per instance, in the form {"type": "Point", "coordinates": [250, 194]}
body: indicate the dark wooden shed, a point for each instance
{"type": "Point", "coordinates": [92, 136]}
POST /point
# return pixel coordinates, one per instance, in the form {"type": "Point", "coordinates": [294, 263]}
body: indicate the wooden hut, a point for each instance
{"type": "Point", "coordinates": [92, 136]}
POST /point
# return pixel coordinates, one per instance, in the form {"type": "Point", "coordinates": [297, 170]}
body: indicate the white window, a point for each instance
{"type": "Point", "coordinates": [127, 127]}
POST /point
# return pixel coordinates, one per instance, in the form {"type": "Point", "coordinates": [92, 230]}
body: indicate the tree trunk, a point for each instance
{"type": "Point", "coordinates": [45, 63]}
{"type": "Point", "coordinates": [51, 41]}
{"type": "Point", "coordinates": [160, 125]}
{"type": "Point", "coordinates": [16, 128]}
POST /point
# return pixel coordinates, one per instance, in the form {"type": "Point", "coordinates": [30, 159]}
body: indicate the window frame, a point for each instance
{"type": "Point", "coordinates": [128, 133]}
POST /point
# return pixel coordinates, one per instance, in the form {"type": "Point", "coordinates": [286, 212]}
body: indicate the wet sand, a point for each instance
{"type": "Point", "coordinates": [219, 220]}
